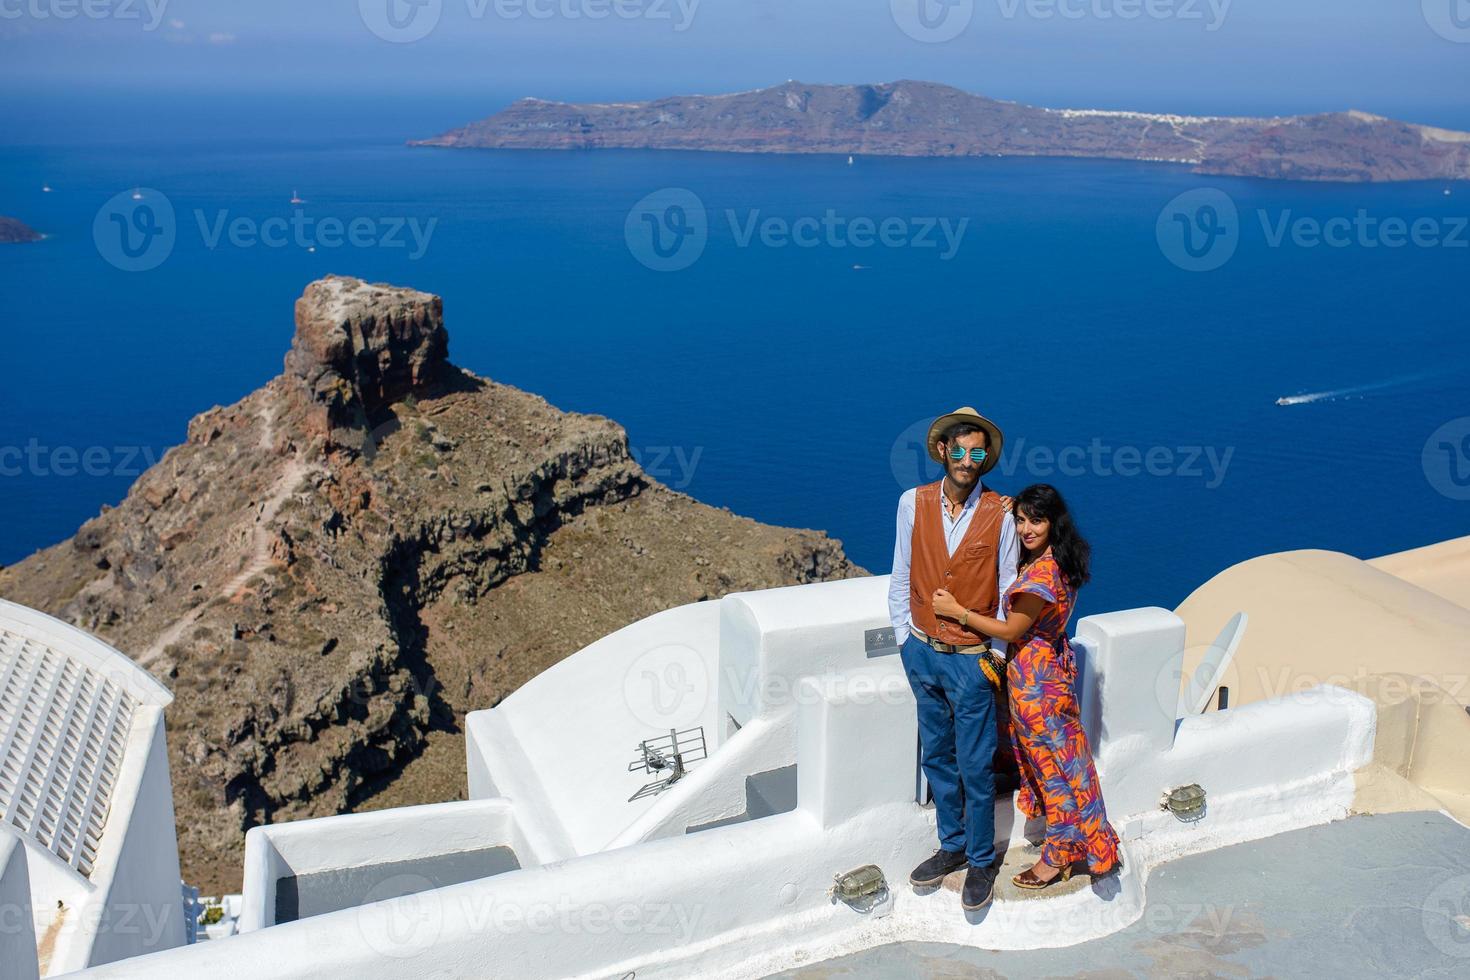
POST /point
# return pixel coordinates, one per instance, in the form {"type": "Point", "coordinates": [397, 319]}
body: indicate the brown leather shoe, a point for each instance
{"type": "Point", "coordinates": [1028, 879]}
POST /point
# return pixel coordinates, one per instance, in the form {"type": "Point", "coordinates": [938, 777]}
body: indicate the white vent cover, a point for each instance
{"type": "Point", "coordinates": [63, 726]}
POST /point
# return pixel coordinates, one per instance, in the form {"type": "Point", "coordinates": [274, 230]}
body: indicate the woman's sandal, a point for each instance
{"type": "Point", "coordinates": [1028, 879]}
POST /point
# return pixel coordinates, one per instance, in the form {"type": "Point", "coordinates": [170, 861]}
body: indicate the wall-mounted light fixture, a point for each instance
{"type": "Point", "coordinates": [862, 888]}
{"type": "Point", "coordinates": [1187, 803]}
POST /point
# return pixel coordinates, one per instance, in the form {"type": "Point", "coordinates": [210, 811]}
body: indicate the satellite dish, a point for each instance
{"type": "Point", "coordinates": [1212, 667]}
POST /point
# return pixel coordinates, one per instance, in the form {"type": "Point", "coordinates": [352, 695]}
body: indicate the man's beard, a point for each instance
{"type": "Point", "coordinates": [963, 479]}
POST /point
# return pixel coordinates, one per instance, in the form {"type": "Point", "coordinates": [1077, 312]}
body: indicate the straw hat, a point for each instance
{"type": "Point", "coordinates": [967, 414]}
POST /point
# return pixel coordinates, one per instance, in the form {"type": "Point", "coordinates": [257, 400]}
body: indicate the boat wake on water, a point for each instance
{"type": "Point", "coordinates": [1356, 391]}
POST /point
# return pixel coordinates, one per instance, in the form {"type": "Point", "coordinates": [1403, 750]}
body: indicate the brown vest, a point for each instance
{"type": "Point", "coordinates": [969, 574]}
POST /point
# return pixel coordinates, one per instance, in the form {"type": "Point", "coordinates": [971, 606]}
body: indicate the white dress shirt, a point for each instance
{"type": "Point", "coordinates": [954, 532]}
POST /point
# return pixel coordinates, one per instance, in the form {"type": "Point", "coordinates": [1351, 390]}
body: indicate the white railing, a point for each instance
{"type": "Point", "coordinates": [401, 836]}
{"type": "Point", "coordinates": [747, 899]}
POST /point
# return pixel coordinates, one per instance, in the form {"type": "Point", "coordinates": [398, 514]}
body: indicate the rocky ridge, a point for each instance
{"type": "Point", "coordinates": [923, 119]}
{"type": "Point", "coordinates": [331, 572]}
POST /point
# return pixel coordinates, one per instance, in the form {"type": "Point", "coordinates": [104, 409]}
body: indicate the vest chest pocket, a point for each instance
{"type": "Point", "coordinates": [976, 551]}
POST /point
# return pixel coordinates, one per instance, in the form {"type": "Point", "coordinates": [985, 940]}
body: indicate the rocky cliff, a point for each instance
{"type": "Point", "coordinates": [924, 119]}
{"type": "Point", "coordinates": [331, 572]}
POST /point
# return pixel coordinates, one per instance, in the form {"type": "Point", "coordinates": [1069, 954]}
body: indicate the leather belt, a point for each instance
{"type": "Point", "coordinates": [950, 647]}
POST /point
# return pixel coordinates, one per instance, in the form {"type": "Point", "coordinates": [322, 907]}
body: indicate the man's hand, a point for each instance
{"type": "Point", "coordinates": [947, 605]}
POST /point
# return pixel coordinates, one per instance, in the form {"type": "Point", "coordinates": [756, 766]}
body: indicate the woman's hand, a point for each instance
{"type": "Point", "coordinates": [1025, 608]}
{"type": "Point", "coordinates": [947, 605]}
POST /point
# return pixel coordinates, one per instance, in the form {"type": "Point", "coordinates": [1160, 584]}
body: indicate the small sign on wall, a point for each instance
{"type": "Point", "coordinates": [880, 642]}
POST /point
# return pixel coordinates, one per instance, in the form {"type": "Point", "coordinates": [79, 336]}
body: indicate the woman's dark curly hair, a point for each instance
{"type": "Point", "coordinates": [1041, 501]}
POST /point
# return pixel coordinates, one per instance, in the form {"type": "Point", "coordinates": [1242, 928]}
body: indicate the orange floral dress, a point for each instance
{"type": "Point", "coordinates": [1058, 780]}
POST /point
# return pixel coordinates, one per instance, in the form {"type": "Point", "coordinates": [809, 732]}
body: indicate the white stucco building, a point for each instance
{"type": "Point", "coordinates": [798, 735]}
{"type": "Point", "coordinates": [86, 808]}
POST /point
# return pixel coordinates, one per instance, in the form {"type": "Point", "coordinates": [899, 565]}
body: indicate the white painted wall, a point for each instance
{"type": "Point", "coordinates": [715, 790]}
{"type": "Point", "coordinates": [771, 639]}
{"type": "Point", "coordinates": [17, 934]}
{"type": "Point", "coordinates": [560, 745]}
{"type": "Point", "coordinates": [51, 882]}
{"type": "Point", "coordinates": [651, 900]}
{"type": "Point", "coordinates": [131, 902]}
{"type": "Point", "coordinates": [136, 906]}
{"type": "Point", "coordinates": [771, 643]}
{"type": "Point", "coordinates": [86, 648]}
{"type": "Point", "coordinates": [842, 711]}
{"type": "Point", "coordinates": [1265, 767]}
{"type": "Point", "coordinates": [751, 898]}
{"type": "Point", "coordinates": [358, 840]}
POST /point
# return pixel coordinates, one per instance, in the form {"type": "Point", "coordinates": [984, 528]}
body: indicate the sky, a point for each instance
{"type": "Point", "coordinates": [1222, 56]}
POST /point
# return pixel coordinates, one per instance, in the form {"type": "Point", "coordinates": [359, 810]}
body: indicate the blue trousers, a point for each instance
{"type": "Point", "coordinates": [957, 732]}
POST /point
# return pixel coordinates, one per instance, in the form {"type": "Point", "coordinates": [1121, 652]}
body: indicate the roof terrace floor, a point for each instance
{"type": "Point", "coordinates": [1370, 896]}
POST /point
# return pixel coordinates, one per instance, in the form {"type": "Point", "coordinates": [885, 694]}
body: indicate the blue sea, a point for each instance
{"type": "Point", "coordinates": [775, 332]}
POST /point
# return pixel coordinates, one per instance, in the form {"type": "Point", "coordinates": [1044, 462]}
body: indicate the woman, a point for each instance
{"type": "Point", "coordinates": [1058, 780]}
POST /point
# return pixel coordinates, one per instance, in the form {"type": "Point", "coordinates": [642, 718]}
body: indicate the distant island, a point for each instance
{"type": "Point", "coordinates": [13, 231]}
{"type": "Point", "coordinates": [924, 119]}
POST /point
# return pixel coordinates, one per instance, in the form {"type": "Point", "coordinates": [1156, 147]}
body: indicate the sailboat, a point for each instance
{"type": "Point", "coordinates": [849, 161]}
{"type": "Point", "coordinates": [296, 198]}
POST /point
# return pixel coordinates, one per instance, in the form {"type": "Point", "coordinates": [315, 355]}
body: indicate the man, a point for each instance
{"type": "Point", "coordinates": [955, 535]}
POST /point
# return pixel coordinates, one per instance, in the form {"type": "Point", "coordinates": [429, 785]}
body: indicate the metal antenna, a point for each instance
{"type": "Point", "coordinates": [668, 754]}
